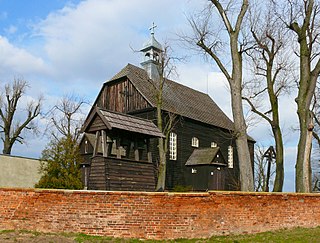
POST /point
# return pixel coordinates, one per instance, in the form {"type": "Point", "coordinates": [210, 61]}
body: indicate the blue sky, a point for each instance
{"type": "Point", "coordinates": [63, 47]}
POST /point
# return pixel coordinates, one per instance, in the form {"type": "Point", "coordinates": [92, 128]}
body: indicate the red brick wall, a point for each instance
{"type": "Point", "coordinates": [155, 215]}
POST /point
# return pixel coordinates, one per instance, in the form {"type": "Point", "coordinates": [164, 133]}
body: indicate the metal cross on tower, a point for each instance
{"type": "Point", "coordinates": [152, 28]}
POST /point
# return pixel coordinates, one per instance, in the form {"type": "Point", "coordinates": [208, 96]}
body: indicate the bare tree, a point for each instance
{"type": "Point", "coordinates": [11, 127]}
{"type": "Point", "coordinates": [302, 19]}
{"type": "Point", "coordinates": [65, 118]}
{"type": "Point", "coordinates": [209, 42]}
{"type": "Point", "coordinates": [271, 69]}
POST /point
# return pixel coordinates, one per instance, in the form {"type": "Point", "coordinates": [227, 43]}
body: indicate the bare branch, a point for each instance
{"type": "Point", "coordinates": [216, 58]}
{"type": "Point", "coordinates": [253, 108]}
{"type": "Point", "coordinates": [225, 18]}
{"type": "Point", "coordinates": [65, 116]}
{"type": "Point", "coordinates": [11, 127]}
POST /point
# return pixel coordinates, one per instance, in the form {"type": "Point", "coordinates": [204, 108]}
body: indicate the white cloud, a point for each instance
{"type": "Point", "coordinates": [18, 62]}
{"type": "Point", "coordinates": [92, 40]}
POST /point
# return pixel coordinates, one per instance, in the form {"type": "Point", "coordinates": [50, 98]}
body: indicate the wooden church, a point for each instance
{"type": "Point", "coordinates": [119, 144]}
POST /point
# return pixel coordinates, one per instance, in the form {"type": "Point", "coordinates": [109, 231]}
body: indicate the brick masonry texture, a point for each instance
{"type": "Point", "coordinates": [155, 215]}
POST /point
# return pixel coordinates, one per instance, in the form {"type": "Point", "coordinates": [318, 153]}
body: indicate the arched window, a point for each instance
{"type": "Point", "coordinates": [213, 145]}
{"type": "Point", "coordinates": [173, 146]}
{"type": "Point", "coordinates": [195, 142]}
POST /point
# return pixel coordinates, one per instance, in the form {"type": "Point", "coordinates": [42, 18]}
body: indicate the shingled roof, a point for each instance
{"type": "Point", "coordinates": [177, 98]}
{"type": "Point", "coordinates": [114, 120]}
{"type": "Point", "coordinates": [205, 156]}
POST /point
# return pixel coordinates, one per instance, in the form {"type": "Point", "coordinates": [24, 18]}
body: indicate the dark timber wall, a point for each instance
{"type": "Point", "coordinates": [177, 172]}
{"type": "Point", "coordinates": [121, 96]}
{"type": "Point", "coordinates": [121, 175]}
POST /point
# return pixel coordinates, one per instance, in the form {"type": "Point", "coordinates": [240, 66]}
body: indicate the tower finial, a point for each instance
{"type": "Point", "coordinates": [152, 28]}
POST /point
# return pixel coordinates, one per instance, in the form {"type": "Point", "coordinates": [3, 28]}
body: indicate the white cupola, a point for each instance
{"type": "Point", "coordinates": [152, 52]}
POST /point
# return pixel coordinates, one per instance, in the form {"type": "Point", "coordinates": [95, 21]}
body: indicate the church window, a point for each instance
{"type": "Point", "coordinates": [213, 144]}
{"type": "Point", "coordinates": [173, 146]}
{"type": "Point", "coordinates": [156, 57]}
{"type": "Point", "coordinates": [195, 142]}
{"type": "Point", "coordinates": [230, 157]}
{"type": "Point", "coordinates": [86, 146]}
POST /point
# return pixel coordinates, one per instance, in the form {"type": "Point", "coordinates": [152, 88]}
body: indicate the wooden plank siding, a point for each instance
{"type": "Point", "coordinates": [177, 172]}
{"type": "Point", "coordinates": [97, 177]}
{"type": "Point", "coordinates": [112, 97]}
{"type": "Point", "coordinates": [125, 175]}
{"type": "Point", "coordinates": [97, 125]}
{"type": "Point", "coordinates": [121, 175]}
{"type": "Point", "coordinates": [186, 130]}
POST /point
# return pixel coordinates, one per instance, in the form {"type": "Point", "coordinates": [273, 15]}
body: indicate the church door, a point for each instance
{"type": "Point", "coordinates": [216, 178]}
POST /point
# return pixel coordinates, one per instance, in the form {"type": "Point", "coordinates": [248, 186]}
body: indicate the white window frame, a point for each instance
{"type": "Point", "coordinates": [230, 157]}
{"type": "Point", "coordinates": [173, 146]}
{"type": "Point", "coordinates": [86, 146]}
{"type": "Point", "coordinates": [213, 145]}
{"type": "Point", "coordinates": [195, 142]}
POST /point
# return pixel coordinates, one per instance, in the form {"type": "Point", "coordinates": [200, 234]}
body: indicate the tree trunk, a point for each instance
{"type": "Point", "coordinates": [7, 146]}
{"type": "Point", "coordinates": [161, 144]}
{"type": "Point", "coordinates": [307, 85]}
{"type": "Point", "coordinates": [276, 130]}
{"type": "Point", "coordinates": [278, 181]}
{"type": "Point", "coordinates": [245, 166]}
{"type": "Point", "coordinates": [307, 164]}
{"type": "Point", "coordinates": [162, 166]}
{"type": "Point", "coordinates": [301, 163]}
{"type": "Point", "coordinates": [245, 163]}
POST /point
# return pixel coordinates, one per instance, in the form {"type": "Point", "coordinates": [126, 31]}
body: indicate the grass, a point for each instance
{"type": "Point", "coordinates": [287, 235]}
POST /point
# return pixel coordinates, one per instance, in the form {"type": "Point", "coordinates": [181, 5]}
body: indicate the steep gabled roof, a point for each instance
{"type": "Point", "coordinates": [114, 120]}
{"type": "Point", "coordinates": [177, 98]}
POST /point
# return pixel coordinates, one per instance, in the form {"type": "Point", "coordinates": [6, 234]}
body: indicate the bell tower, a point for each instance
{"type": "Point", "coordinates": [152, 52]}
